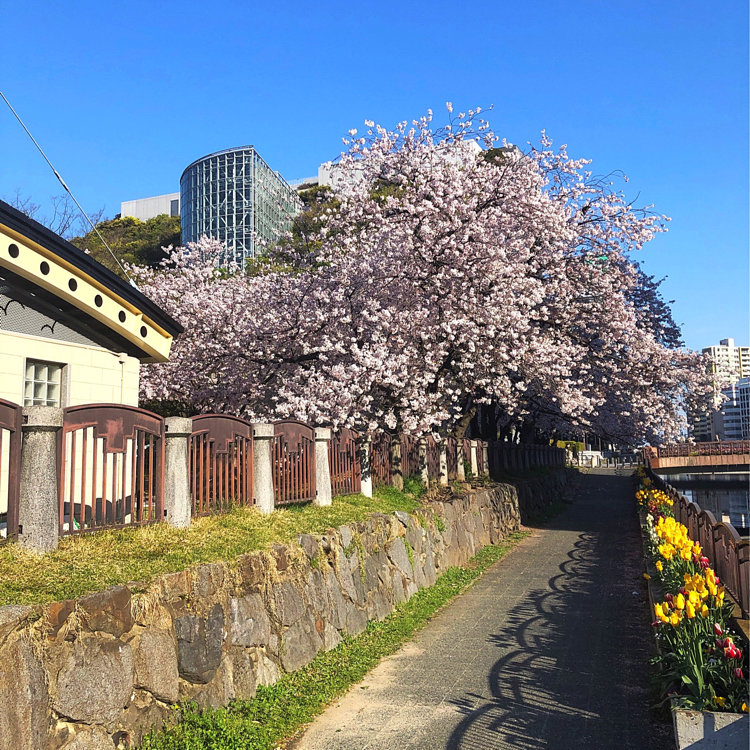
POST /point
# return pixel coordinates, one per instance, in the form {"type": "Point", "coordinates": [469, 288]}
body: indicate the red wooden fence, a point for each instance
{"type": "Point", "coordinates": [380, 458]}
{"type": "Point", "coordinates": [343, 461]}
{"type": "Point", "coordinates": [10, 464]}
{"type": "Point", "coordinates": [111, 467]}
{"type": "Point", "coordinates": [221, 463]}
{"type": "Point", "coordinates": [293, 462]}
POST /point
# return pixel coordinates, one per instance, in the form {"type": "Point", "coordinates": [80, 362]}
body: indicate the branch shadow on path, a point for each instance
{"type": "Point", "coordinates": [573, 667]}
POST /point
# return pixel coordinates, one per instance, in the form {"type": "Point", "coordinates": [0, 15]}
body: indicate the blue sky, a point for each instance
{"type": "Point", "coordinates": [124, 96]}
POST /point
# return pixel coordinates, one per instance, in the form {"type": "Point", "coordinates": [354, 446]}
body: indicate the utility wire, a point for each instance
{"type": "Point", "coordinates": [68, 191]}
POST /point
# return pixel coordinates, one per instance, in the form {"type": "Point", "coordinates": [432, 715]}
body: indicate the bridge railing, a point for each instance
{"type": "Point", "coordinates": [722, 545]}
{"type": "Point", "coordinates": [722, 448]}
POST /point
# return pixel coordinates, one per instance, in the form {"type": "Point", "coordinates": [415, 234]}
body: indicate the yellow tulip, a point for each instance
{"type": "Point", "coordinates": [679, 601]}
{"type": "Point", "coordinates": [674, 618]}
{"type": "Point", "coordinates": [690, 611]}
{"type": "Point", "coordinates": [704, 611]}
{"type": "Point", "coordinates": [659, 565]}
{"type": "Point", "coordinates": [694, 598]}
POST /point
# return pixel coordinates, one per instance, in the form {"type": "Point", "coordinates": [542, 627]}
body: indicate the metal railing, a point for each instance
{"type": "Point", "coordinates": [10, 464]}
{"type": "Point", "coordinates": [293, 462]}
{"type": "Point", "coordinates": [344, 464]}
{"type": "Point", "coordinates": [722, 448]}
{"type": "Point", "coordinates": [221, 463]}
{"type": "Point", "coordinates": [111, 471]}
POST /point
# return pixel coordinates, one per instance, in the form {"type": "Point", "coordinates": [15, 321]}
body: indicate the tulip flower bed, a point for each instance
{"type": "Point", "coordinates": [700, 665]}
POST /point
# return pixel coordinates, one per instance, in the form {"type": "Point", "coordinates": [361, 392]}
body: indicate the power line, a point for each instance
{"type": "Point", "coordinates": [68, 191]}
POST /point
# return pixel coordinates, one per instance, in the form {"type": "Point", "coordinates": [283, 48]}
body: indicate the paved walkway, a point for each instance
{"type": "Point", "coordinates": [548, 650]}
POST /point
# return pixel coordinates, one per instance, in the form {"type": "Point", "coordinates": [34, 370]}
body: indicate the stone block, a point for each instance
{"type": "Point", "coordinates": [281, 556]}
{"type": "Point", "coordinates": [13, 616]}
{"type": "Point", "coordinates": [346, 535]}
{"type": "Point", "coordinates": [252, 569]}
{"type": "Point", "coordinates": [91, 680]}
{"type": "Point", "coordinates": [396, 551]}
{"type": "Point", "coordinates": [89, 738]}
{"type": "Point", "coordinates": [288, 603]}
{"type": "Point", "coordinates": [356, 621]}
{"type": "Point", "coordinates": [243, 673]}
{"type": "Point", "coordinates": [299, 644]}
{"type": "Point", "coordinates": [199, 642]}
{"type": "Point", "coordinates": [207, 580]}
{"type": "Point", "coordinates": [309, 545]}
{"type": "Point", "coordinates": [108, 611]}
{"type": "Point", "coordinates": [315, 590]}
{"type": "Point", "coordinates": [249, 624]}
{"type": "Point", "coordinates": [155, 657]}
{"type": "Point", "coordinates": [23, 697]}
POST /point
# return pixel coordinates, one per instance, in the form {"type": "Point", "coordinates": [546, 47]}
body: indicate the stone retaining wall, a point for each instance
{"type": "Point", "coordinates": [99, 671]}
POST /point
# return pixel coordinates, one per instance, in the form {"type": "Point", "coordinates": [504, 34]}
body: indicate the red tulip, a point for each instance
{"type": "Point", "coordinates": [738, 673]}
{"type": "Point", "coordinates": [717, 629]}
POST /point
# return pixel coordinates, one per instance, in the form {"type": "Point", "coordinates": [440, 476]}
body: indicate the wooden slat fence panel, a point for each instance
{"type": "Point", "coordinates": [343, 461]}
{"type": "Point", "coordinates": [293, 462]}
{"type": "Point", "coordinates": [111, 468]}
{"type": "Point", "coordinates": [221, 463]}
{"type": "Point", "coordinates": [10, 468]}
{"type": "Point", "coordinates": [433, 458]}
{"type": "Point", "coordinates": [380, 458]}
{"type": "Point", "coordinates": [451, 454]}
{"type": "Point", "coordinates": [410, 463]}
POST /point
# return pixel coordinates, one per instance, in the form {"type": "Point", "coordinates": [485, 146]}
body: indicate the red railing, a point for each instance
{"type": "Point", "coordinates": [221, 463]}
{"type": "Point", "coordinates": [380, 458]}
{"type": "Point", "coordinates": [293, 462]}
{"type": "Point", "coordinates": [451, 454]}
{"type": "Point", "coordinates": [410, 462]}
{"type": "Point", "coordinates": [111, 467]}
{"type": "Point", "coordinates": [10, 463]}
{"type": "Point", "coordinates": [729, 554]}
{"type": "Point", "coordinates": [343, 461]}
{"type": "Point", "coordinates": [432, 457]}
{"type": "Point", "coordinates": [723, 448]}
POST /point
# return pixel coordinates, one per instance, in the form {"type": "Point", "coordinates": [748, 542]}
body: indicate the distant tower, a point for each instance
{"type": "Point", "coordinates": [235, 197]}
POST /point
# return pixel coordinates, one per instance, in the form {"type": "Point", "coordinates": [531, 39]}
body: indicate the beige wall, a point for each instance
{"type": "Point", "coordinates": [91, 375]}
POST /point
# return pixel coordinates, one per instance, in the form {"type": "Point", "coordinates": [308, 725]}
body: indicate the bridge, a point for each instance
{"type": "Point", "coordinates": [723, 456]}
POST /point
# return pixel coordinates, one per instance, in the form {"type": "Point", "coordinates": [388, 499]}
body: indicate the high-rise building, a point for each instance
{"type": "Point", "coordinates": [732, 420]}
{"type": "Point", "coordinates": [730, 364]}
{"type": "Point", "coordinates": [235, 197]}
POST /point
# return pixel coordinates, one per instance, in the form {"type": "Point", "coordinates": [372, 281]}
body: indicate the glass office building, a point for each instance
{"type": "Point", "coordinates": [235, 197]}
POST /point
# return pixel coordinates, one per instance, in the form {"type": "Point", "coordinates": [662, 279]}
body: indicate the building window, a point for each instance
{"type": "Point", "coordinates": [43, 384]}
{"type": "Point", "coordinates": [174, 208]}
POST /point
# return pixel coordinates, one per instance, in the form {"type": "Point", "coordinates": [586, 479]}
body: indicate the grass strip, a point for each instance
{"type": "Point", "coordinates": [280, 710]}
{"type": "Point", "coordinates": [92, 562]}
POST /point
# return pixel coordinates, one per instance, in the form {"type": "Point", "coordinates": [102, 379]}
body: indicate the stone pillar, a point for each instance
{"type": "Point", "coordinates": [423, 473]}
{"type": "Point", "coordinates": [323, 492]}
{"type": "Point", "coordinates": [443, 464]}
{"type": "Point", "coordinates": [263, 466]}
{"type": "Point", "coordinates": [177, 501]}
{"type": "Point", "coordinates": [460, 458]}
{"type": "Point", "coordinates": [474, 463]}
{"type": "Point", "coordinates": [365, 469]}
{"type": "Point", "coordinates": [486, 458]}
{"type": "Point", "coordinates": [38, 515]}
{"type": "Point", "coordinates": [397, 474]}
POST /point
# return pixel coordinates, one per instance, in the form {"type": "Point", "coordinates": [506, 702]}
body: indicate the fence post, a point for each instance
{"type": "Point", "coordinates": [177, 502]}
{"type": "Point", "coordinates": [323, 492]}
{"type": "Point", "coordinates": [474, 460]}
{"type": "Point", "coordinates": [397, 474]}
{"type": "Point", "coordinates": [263, 496]}
{"type": "Point", "coordinates": [365, 467]}
{"type": "Point", "coordinates": [423, 472]}
{"type": "Point", "coordinates": [38, 516]}
{"type": "Point", "coordinates": [460, 458]}
{"type": "Point", "coordinates": [443, 463]}
{"type": "Point", "coordinates": [485, 458]}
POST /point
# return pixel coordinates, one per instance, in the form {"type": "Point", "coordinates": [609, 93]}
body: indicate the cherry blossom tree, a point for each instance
{"type": "Point", "coordinates": [446, 269]}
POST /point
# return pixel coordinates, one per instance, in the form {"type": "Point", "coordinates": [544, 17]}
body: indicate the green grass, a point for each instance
{"type": "Point", "coordinates": [279, 711]}
{"type": "Point", "coordinates": [92, 562]}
